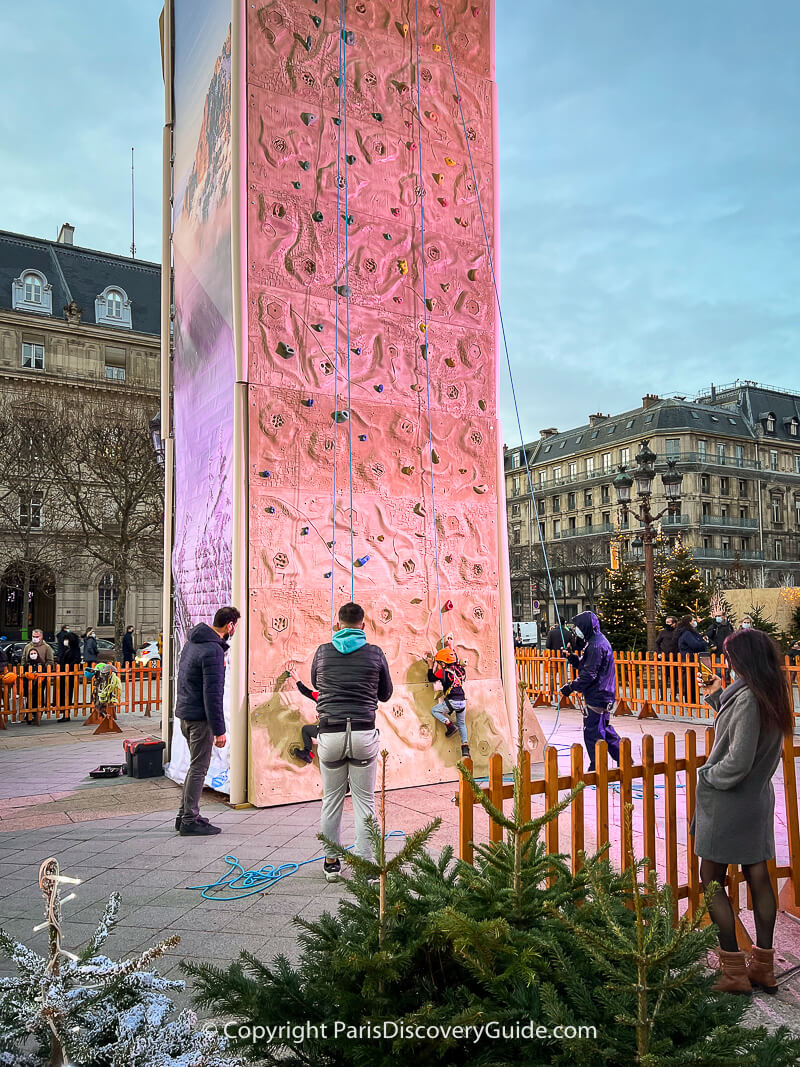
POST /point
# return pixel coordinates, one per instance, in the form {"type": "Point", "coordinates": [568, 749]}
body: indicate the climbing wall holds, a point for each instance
{"type": "Point", "coordinates": [317, 327]}
{"type": "Point", "coordinates": [348, 37]}
{"type": "Point", "coordinates": [434, 456]}
{"type": "Point", "coordinates": [416, 388]}
{"type": "Point", "coordinates": [450, 162]}
{"type": "Point", "coordinates": [450, 361]}
{"type": "Point", "coordinates": [356, 351]}
{"type": "Point", "coordinates": [285, 351]}
{"type": "Point", "coordinates": [472, 274]}
{"type": "Point", "coordinates": [328, 574]}
{"type": "Point", "coordinates": [448, 559]}
{"type": "Point", "coordinates": [437, 48]}
{"type": "Point", "coordinates": [407, 469]}
{"type": "Point", "coordinates": [304, 164]}
{"type": "Point", "coordinates": [348, 219]}
{"type": "Point", "coordinates": [402, 28]}
{"type": "Point", "coordinates": [361, 561]}
{"type": "Point", "coordinates": [417, 600]}
{"type": "Point", "coordinates": [316, 20]}
{"type": "Point", "coordinates": [296, 185]}
{"type": "Point", "coordinates": [362, 437]}
{"type": "Point", "coordinates": [419, 509]}
{"type": "Point", "coordinates": [380, 537]}
{"type": "Point", "coordinates": [350, 159]}
{"type": "Point", "coordinates": [387, 237]}
{"type": "Point", "coordinates": [309, 42]}
{"type": "Point", "coordinates": [482, 405]}
{"type": "Point", "coordinates": [430, 303]}
{"type": "Point", "coordinates": [431, 116]}
{"type": "Point", "coordinates": [423, 351]}
{"type": "Point", "coordinates": [395, 211]}
{"type": "Point", "coordinates": [447, 606]}
{"type": "Point", "coordinates": [480, 489]}
{"type": "Point", "coordinates": [397, 299]}
{"type": "Point", "coordinates": [316, 216]}
{"type": "Point", "coordinates": [377, 116]}
{"type": "Point", "coordinates": [342, 290]}
{"type": "Point", "coordinates": [475, 12]}
{"type": "Point", "coordinates": [308, 118]}
{"type": "Point", "coordinates": [402, 266]}
{"type": "Point", "coordinates": [411, 146]}
{"type": "Point", "coordinates": [264, 474]}
{"type": "Point", "coordinates": [462, 222]}
{"type": "Point", "coordinates": [443, 201]}
{"type": "Point", "coordinates": [438, 178]}
{"type": "Point", "coordinates": [270, 510]}
{"type": "Point", "coordinates": [340, 416]}
{"type": "Point", "coordinates": [445, 287]}
{"type": "Point", "coordinates": [336, 122]}
{"type": "Point", "coordinates": [308, 402]}
{"type": "Point", "coordinates": [422, 327]}
{"type": "Point", "coordinates": [378, 388]}
{"type": "Point", "coordinates": [304, 531]}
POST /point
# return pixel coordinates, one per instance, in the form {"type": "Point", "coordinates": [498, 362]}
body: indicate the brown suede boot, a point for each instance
{"type": "Point", "coordinates": [760, 969]}
{"type": "Point", "coordinates": [733, 973]}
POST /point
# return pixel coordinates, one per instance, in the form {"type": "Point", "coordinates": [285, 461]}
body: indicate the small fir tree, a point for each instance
{"type": "Point", "coordinates": [621, 610]}
{"type": "Point", "coordinates": [683, 591]}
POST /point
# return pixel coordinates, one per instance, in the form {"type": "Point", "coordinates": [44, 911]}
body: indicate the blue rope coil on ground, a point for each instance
{"type": "Point", "coordinates": [260, 879]}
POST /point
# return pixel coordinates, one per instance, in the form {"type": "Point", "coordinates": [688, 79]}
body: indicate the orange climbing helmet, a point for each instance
{"type": "Point", "coordinates": [446, 655]}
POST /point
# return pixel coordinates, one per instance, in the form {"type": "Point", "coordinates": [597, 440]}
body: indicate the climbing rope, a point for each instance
{"type": "Point", "coordinates": [502, 330]}
{"type": "Point", "coordinates": [336, 325]}
{"type": "Point", "coordinates": [425, 333]}
{"type": "Point", "coordinates": [343, 86]}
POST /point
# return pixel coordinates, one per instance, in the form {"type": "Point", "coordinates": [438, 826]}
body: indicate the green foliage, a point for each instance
{"type": "Point", "coordinates": [795, 624]}
{"type": "Point", "coordinates": [761, 621]}
{"type": "Point", "coordinates": [621, 610]}
{"type": "Point", "coordinates": [683, 591]}
{"type": "Point", "coordinates": [513, 940]}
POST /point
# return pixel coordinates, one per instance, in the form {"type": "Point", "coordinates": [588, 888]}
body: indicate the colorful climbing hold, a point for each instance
{"type": "Point", "coordinates": [437, 48]}
{"type": "Point", "coordinates": [264, 474]}
{"type": "Point", "coordinates": [348, 219]}
{"type": "Point", "coordinates": [480, 489]}
{"type": "Point", "coordinates": [450, 162]}
{"type": "Point", "coordinates": [377, 116]}
{"type": "Point", "coordinates": [447, 606]}
{"type": "Point", "coordinates": [356, 351]}
{"type": "Point", "coordinates": [450, 361]}
{"type": "Point", "coordinates": [395, 211]}
{"type": "Point", "coordinates": [411, 146]}
{"type": "Point", "coordinates": [350, 159]}
{"type": "Point", "coordinates": [309, 42]}
{"type": "Point", "coordinates": [417, 600]}
{"type": "Point", "coordinates": [430, 303]}
{"type": "Point", "coordinates": [402, 28]}
{"type": "Point", "coordinates": [472, 274]}
{"type": "Point", "coordinates": [316, 20]}
{"type": "Point", "coordinates": [304, 531]}
{"type": "Point", "coordinates": [438, 178]}
{"type": "Point", "coordinates": [445, 286]}
{"type": "Point", "coordinates": [342, 290]}
{"type": "Point", "coordinates": [270, 510]}
{"type": "Point", "coordinates": [432, 116]}
{"type": "Point", "coordinates": [316, 216]}
{"type": "Point", "coordinates": [284, 350]}
{"type": "Point", "coordinates": [378, 388]}
{"type": "Point", "coordinates": [434, 456]}
{"type": "Point", "coordinates": [328, 574]}
{"type": "Point", "coordinates": [475, 12]}
{"type": "Point", "coordinates": [296, 185]}
{"type": "Point", "coordinates": [419, 509]}
{"type": "Point", "coordinates": [317, 326]}
{"type": "Point", "coordinates": [423, 350]}
{"type": "Point", "coordinates": [340, 416]}
{"type": "Point", "coordinates": [336, 121]}
{"type": "Point", "coordinates": [482, 405]}
{"type": "Point", "coordinates": [387, 237]}
{"type": "Point", "coordinates": [448, 559]}
{"type": "Point", "coordinates": [308, 402]}
{"type": "Point", "coordinates": [308, 118]}
{"type": "Point", "coordinates": [422, 327]}
{"type": "Point", "coordinates": [380, 537]}
{"type": "Point", "coordinates": [402, 266]}
{"type": "Point", "coordinates": [348, 37]}
{"type": "Point", "coordinates": [407, 469]}
{"type": "Point", "coordinates": [462, 470]}
{"type": "Point", "coordinates": [304, 164]}
{"type": "Point", "coordinates": [416, 388]}
{"type": "Point", "coordinates": [443, 201]}
{"type": "Point", "coordinates": [361, 561]}
{"type": "Point", "coordinates": [397, 299]}
{"type": "Point", "coordinates": [362, 437]}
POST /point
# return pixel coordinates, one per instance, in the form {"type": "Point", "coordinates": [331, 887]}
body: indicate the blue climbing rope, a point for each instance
{"type": "Point", "coordinates": [503, 331]}
{"type": "Point", "coordinates": [259, 880]}
{"type": "Point", "coordinates": [343, 85]}
{"type": "Point", "coordinates": [336, 324]}
{"type": "Point", "coordinates": [425, 322]}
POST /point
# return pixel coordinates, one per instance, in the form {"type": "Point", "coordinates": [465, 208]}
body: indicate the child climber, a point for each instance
{"type": "Point", "coordinates": [310, 730]}
{"type": "Point", "coordinates": [445, 668]}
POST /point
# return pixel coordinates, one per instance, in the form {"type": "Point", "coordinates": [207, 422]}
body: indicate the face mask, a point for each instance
{"type": "Point", "coordinates": [718, 618]}
{"type": "Point", "coordinates": [37, 640]}
{"type": "Point", "coordinates": [746, 625]}
{"type": "Point", "coordinates": [694, 624]}
{"type": "Point", "coordinates": [733, 676]}
{"type": "Point", "coordinates": [66, 644]}
{"type": "Point", "coordinates": [579, 632]}
{"type": "Point", "coordinates": [34, 656]}
{"type": "Point", "coordinates": [669, 626]}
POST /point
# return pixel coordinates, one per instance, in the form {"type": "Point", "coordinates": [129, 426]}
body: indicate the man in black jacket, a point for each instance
{"type": "Point", "coordinates": [719, 629]}
{"type": "Point", "coordinates": [127, 647]}
{"type": "Point", "coordinates": [350, 676]}
{"type": "Point", "coordinates": [201, 681]}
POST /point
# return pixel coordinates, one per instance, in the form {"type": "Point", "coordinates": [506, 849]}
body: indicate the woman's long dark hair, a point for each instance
{"type": "Point", "coordinates": [685, 623]}
{"type": "Point", "coordinates": [756, 659]}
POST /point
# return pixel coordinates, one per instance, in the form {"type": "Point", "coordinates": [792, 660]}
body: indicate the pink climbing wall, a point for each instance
{"type": "Point", "coordinates": [292, 102]}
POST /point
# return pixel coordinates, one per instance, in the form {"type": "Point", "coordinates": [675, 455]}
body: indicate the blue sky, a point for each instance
{"type": "Point", "coordinates": [649, 177]}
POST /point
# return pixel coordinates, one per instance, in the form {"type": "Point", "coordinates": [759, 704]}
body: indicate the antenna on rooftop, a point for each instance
{"type": "Point", "coordinates": [133, 214]}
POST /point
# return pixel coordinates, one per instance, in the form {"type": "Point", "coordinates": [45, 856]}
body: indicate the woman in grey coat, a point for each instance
{"type": "Point", "coordinates": [734, 814]}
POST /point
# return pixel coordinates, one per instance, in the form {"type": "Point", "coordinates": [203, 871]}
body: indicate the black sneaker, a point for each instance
{"type": "Point", "coordinates": [451, 729]}
{"type": "Point", "coordinates": [332, 869]}
{"type": "Point", "coordinates": [301, 753]}
{"type": "Point", "coordinates": [465, 751]}
{"type": "Point", "coordinates": [198, 829]}
{"type": "Point", "coordinates": [179, 820]}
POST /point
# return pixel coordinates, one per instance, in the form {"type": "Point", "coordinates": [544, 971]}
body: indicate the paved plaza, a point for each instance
{"type": "Point", "coordinates": [118, 834]}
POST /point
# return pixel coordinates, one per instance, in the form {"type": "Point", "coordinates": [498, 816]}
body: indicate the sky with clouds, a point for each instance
{"type": "Point", "coordinates": [649, 179]}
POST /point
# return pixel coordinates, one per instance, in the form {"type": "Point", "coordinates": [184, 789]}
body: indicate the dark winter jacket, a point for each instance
{"type": "Point", "coordinates": [350, 676]}
{"type": "Point", "coordinates": [452, 680]}
{"type": "Point", "coordinates": [311, 694]}
{"type": "Point", "coordinates": [69, 649]}
{"type": "Point", "coordinates": [127, 645]}
{"type": "Point", "coordinates": [201, 678]}
{"type": "Point", "coordinates": [596, 670]}
{"type": "Point", "coordinates": [716, 634]}
{"type": "Point", "coordinates": [667, 642]}
{"type": "Point", "coordinates": [555, 640]}
{"type": "Point", "coordinates": [690, 643]}
{"type": "Point", "coordinates": [90, 649]}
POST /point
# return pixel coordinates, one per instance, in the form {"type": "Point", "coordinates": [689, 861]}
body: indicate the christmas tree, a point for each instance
{"type": "Point", "coordinates": [683, 591]}
{"type": "Point", "coordinates": [456, 961]}
{"type": "Point", "coordinates": [91, 1011]}
{"type": "Point", "coordinates": [621, 610]}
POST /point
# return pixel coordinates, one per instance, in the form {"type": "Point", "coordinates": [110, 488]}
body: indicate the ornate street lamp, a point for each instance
{"type": "Point", "coordinates": [623, 483]}
{"type": "Point", "coordinates": [672, 480]}
{"type": "Point", "coordinates": [158, 443]}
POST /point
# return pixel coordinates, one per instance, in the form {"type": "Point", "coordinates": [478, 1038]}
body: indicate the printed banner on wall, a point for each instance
{"type": "Point", "coordinates": [204, 366]}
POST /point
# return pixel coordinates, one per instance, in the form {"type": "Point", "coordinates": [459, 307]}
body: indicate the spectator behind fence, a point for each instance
{"type": "Point", "coordinates": [733, 822]}
{"type": "Point", "coordinates": [127, 648]}
{"type": "Point", "coordinates": [69, 658]}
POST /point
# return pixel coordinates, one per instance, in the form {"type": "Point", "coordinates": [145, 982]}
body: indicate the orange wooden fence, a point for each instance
{"type": "Point", "coordinates": [648, 685]}
{"type": "Point", "coordinates": [65, 691]}
{"type": "Point", "coordinates": [635, 784]}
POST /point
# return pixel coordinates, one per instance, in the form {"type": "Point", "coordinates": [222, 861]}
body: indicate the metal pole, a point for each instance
{"type": "Point", "coordinates": [649, 581]}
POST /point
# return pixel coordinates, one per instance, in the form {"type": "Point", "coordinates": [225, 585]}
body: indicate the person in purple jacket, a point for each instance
{"type": "Point", "coordinates": [597, 682]}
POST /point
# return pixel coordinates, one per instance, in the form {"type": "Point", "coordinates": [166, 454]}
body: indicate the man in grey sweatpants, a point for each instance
{"type": "Point", "coordinates": [351, 676]}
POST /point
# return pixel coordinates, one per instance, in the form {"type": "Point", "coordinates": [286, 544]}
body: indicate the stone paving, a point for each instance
{"type": "Point", "coordinates": [119, 834]}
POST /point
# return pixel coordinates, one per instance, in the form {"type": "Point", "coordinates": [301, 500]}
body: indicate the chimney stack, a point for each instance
{"type": "Point", "coordinates": [65, 234]}
{"type": "Point", "coordinates": [551, 431]}
{"type": "Point", "coordinates": [649, 400]}
{"type": "Point", "coordinates": [597, 417]}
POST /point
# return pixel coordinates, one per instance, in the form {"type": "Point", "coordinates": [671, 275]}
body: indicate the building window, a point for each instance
{"type": "Point", "coordinates": [706, 509]}
{"type": "Point", "coordinates": [32, 292]}
{"type": "Point", "coordinates": [572, 471]}
{"type": "Point", "coordinates": [515, 535]}
{"type": "Point", "coordinates": [515, 487]}
{"type": "Point", "coordinates": [797, 464]}
{"type": "Point", "coordinates": [744, 544]}
{"type": "Point", "coordinates": [106, 600]}
{"type": "Point", "coordinates": [705, 483]}
{"type": "Point", "coordinates": [706, 542]}
{"type": "Point", "coordinates": [723, 486]}
{"type": "Point", "coordinates": [701, 451]}
{"type": "Point", "coordinates": [542, 479]}
{"type": "Point", "coordinates": [606, 462]}
{"type": "Point", "coordinates": [777, 511]}
{"type": "Point", "coordinates": [587, 522]}
{"type": "Point", "coordinates": [742, 513]}
{"type": "Point", "coordinates": [587, 498]}
{"type": "Point", "coordinates": [792, 426]}
{"type": "Point", "coordinates": [773, 461]}
{"type": "Point", "coordinates": [556, 503]}
{"type": "Point", "coordinates": [556, 475]}
{"type": "Point", "coordinates": [797, 511]}
{"type": "Point", "coordinates": [30, 512]}
{"type": "Point", "coordinates": [515, 462]}
{"type": "Point", "coordinates": [724, 511]}
{"type": "Point", "coordinates": [770, 422]}
{"type": "Point", "coordinates": [625, 455]}
{"type": "Point", "coordinates": [779, 550]}
{"type": "Point", "coordinates": [556, 527]}
{"type": "Point", "coordinates": [515, 510]}
{"type": "Point", "coordinates": [605, 494]}
{"type": "Point", "coordinates": [570, 501]}
{"type": "Point", "coordinates": [115, 374]}
{"type": "Point", "coordinates": [707, 577]}
{"type": "Point", "coordinates": [573, 523]}
{"type": "Point", "coordinates": [721, 454]}
{"type": "Point", "coordinates": [742, 488]}
{"type": "Point", "coordinates": [673, 447]}
{"type": "Point", "coordinates": [738, 452]}
{"type": "Point", "coordinates": [605, 518]}
{"type": "Point", "coordinates": [32, 356]}
{"type": "Point", "coordinates": [589, 466]}
{"type": "Point", "coordinates": [113, 308]}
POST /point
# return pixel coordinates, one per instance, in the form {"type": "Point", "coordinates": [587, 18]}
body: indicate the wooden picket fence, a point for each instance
{"type": "Point", "coordinates": [64, 690]}
{"type": "Point", "coordinates": [648, 685]}
{"type": "Point", "coordinates": [635, 784]}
